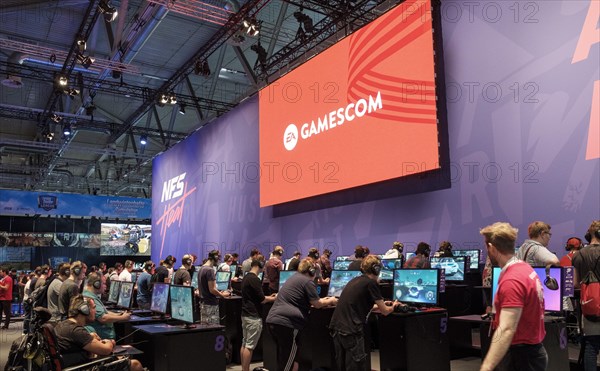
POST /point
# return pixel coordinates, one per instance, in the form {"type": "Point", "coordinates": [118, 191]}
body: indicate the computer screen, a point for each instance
{"type": "Point", "coordinates": [552, 298]}
{"type": "Point", "coordinates": [341, 265]}
{"type": "Point", "coordinates": [387, 268]}
{"type": "Point", "coordinates": [283, 276]}
{"type": "Point", "coordinates": [339, 280]}
{"type": "Point", "coordinates": [286, 263]}
{"type": "Point", "coordinates": [113, 293]}
{"type": "Point", "coordinates": [195, 279]}
{"type": "Point", "coordinates": [474, 254]}
{"type": "Point", "coordinates": [125, 295]}
{"type": "Point", "coordinates": [223, 279]}
{"type": "Point", "coordinates": [418, 286]}
{"type": "Point", "coordinates": [182, 303]}
{"type": "Point", "coordinates": [160, 297]}
{"type": "Point", "coordinates": [233, 269]}
{"type": "Point", "coordinates": [410, 255]}
{"type": "Point", "coordinates": [454, 267]}
{"type": "Point", "coordinates": [260, 275]}
{"type": "Point", "coordinates": [342, 258]}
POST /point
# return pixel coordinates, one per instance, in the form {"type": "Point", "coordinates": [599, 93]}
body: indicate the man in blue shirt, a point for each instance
{"type": "Point", "coordinates": [103, 325]}
{"type": "Point", "coordinates": [144, 286]}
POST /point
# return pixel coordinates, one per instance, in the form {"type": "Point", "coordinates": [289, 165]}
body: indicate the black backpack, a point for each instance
{"type": "Point", "coordinates": [39, 296]}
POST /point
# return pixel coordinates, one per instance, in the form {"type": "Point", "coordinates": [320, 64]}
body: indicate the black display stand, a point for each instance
{"type": "Point", "coordinates": [555, 342]}
{"type": "Point", "coordinates": [414, 341]}
{"type": "Point", "coordinates": [169, 347]}
{"type": "Point", "coordinates": [123, 329]}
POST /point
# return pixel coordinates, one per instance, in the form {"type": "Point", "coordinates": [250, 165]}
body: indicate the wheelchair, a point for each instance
{"type": "Point", "coordinates": [38, 351]}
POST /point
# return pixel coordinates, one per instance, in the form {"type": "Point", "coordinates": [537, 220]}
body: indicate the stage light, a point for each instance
{"type": "Point", "coordinates": [62, 81]}
{"type": "Point", "coordinates": [56, 118]}
{"type": "Point", "coordinates": [182, 109]}
{"type": "Point", "coordinates": [251, 26]}
{"type": "Point", "coordinates": [85, 61]}
{"type": "Point", "coordinates": [164, 99]}
{"type": "Point", "coordinates": [143, 140]}
{"type": "Point", "coordinates": [172, 99]}
{"type": "Point", "coordinates": [49, 136]}
{"type": "Point", "coordinates": [81, 44]}
{"type": "Point", "coordinates": [67, 130]}
{"type": "Point", "coordinates": [110, 12]}
{"type": "Point", "coordinates": [261, 52]}
{"type": "Point", "coordinates": [304, 20]}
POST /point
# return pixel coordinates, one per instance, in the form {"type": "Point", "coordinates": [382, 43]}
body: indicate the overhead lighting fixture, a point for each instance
{"type": "Point", "coordinates": [164, 99]}
{"type": "Point", "coordinates": [67, 130]}
{"type": "Point", "coordinates": [49, 136]}
{"type": "Point", "coordinates": [202, 68]}
{"type": "Point", "coordinates": [81, 44]}
{"type": "Point", "coordinates": [89, 110]}
{"type": "Point", "coordinates": [85, 60]}
{"type": "Point", "coordinates": [251, 26]}
{"type": "Point", "coordinates": [71, 92]}
{"type": "Point", "coordinates": [56, 118]}
{"type": "Point", "coordinates": [172, 99]}
{"type": "Point", "coordinates": [304, 20]}
{"type": "Point", "coordinates": [182, 109]}
{"type": "Point", "coordinates": [143, 140]}
{"type": "Point", "coordinates": [261, 53]}
{"type": "Point", "coordinates": [62, 81]}
{"type": "Point", "coordinates": [110, 12]}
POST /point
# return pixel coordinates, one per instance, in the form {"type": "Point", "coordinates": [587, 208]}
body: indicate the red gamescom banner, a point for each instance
{"type": "Point", "coordinates": [361, 112]}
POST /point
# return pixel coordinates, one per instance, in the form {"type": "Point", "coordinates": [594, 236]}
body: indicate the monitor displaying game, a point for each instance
{"type": "Point", "coordinates": [182, 303]}
{"type": "Point", "coordinates": [387, 268]}
{"type": "Point", "coordinates": [260, 275]}
{"type": "Point", "coordinates": [474, 254]}
{"type": "Point", "coordinates": [160, 297]}
{"type": "Point", "coordinates": [552, 298]}
{"type": "Point", "coordinates": [283, 276]}
{"type": "Point", "coordinates": [454, 267]}
{"type": "Point", "coordinates": [125, 239]}
{"type": "Point", "coordinates": [341, 265]}
{"type": "Point", "coordinates": [410, 255]}
{"type": "Point", "coordinates": [223, 279]}
{"type": "Point", "coordinates": [113, 293]}
{"type": "Point", "coordinates": [339, 280]}
{"type": "Point", "coordinates": [417, 286]}
{"type": "Point", "coordinates": [195, 279]}
{"type": "Point", "coordinates": [125, 295]}
{"type": "Point", "coordinates": [342, 258]}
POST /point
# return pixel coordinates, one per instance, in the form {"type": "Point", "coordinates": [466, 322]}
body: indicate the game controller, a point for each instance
{"type": "Point", "coordinates": [403, 308]}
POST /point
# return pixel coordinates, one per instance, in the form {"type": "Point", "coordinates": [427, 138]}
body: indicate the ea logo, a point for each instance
{"type": "Point", "coordinates": [290, 137]}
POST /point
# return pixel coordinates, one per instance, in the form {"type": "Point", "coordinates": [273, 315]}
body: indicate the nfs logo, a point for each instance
{"type": "Point", "coordinates": [173, 188]}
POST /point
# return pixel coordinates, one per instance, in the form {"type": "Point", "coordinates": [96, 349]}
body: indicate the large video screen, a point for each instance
{"type": "Point", "coordinates": [339, 280]}
{"type": "Point", "coordinates": [361, 112]}
{"type": "Point", "coordinates": [125, 239]}
{"type": "Point", "coordinates": [418, 286]}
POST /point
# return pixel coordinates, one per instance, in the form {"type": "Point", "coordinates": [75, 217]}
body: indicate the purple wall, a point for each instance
{"type": "Point", "coordinates": [519, 120]}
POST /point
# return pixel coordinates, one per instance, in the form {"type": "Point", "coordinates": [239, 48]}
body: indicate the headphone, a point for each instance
{"type": "Point", "coordinates": [313, 254]}
{"type": "Point", "coordinates": [148, 266]}
{"type": "Point", "coordinates": [187, 260]}
{"type": "Point", "coordinates": [170, 260]}
{"type": "Point", "coordinates": [77, 270]}
{"type": "Point", "coordinates": [45, 270]}
{"type": "Point", "coordinates": [84, 308]}
{"type": "Point", "coordinates": [95, 280]}
{"type": "Point", "coordinates": [257, 262]}
{"type": "Point", "coordinates": [359, 252]}
{"type": "Point", "coordinates": [214, 256]}
{"type": "Point", "coordinates": [312, 270]}
{"type": "Point", "coordinates": [67, 272]}
{"type": "Point", "coordinates": [550, 282]}
{"type": "Point", "coordinates": [588, 236]}
{"type": "Point", "coordinates": [572, 245]}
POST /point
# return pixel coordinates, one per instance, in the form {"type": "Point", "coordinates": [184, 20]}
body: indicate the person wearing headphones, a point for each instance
{"type": "Point", "coordinates": [182, 275]}
{"type": "Point", "coordinates": [247, 263]}
{"type": "Point", "coordinates": [70, 287]}
{"type": "Point", "coordinates": [272, 268]}
{"type": "Point", "coordinates": [395, 252]}
{"type": "Point", "coordinates": [359, 255]}
{"type": "Point", "coordinates": [209, 295]}
{"type": "Point", "coordinates": [64, 271]}
{"type": "Point", "coordinates": [125, 275]}
{"type": "Point", "coordinates": [573, 245]}
{"type": "Point", "coordinates": [587, 261]}
{"type": "Point", "coordinates": [252, 300]}
{"type": "Point", "coordinates": [46, 272]}
{"type": "Point", "coordinates": [289, 314]}
{"type": "Point", "coordinates": [104, 319]}
{"type": "Point", "coordinates": [534, 251]}
{"type": "Point", "coordinates": [295, 262]}
{"type": "Point", "coordinates": [519, 306]}
{"type": "Point", "coordinates": [144, 286]}
{"type": "Point", "coordinates": [445, 250]}
{"type": "Point", "coordinates": [162, 272]}
{"type": "Point", "coordinates": [421, 257]}
{"type": "Point", "coordinates": [360, 296]}
{"type": "Point", "coordinates": [313, 256]}
{"type": "Point", "coordinates": [325, 264]}
{"type": "Point", "coordinates": [75, 343]}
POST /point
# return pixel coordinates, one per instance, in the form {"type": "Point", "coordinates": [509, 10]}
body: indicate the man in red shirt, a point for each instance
{"type": "Point", "coordinates": [573, 245]}
{"type": "Point", "coordinates": [6, 287]}
{"type": "Point", "coordinates": [519, 307]}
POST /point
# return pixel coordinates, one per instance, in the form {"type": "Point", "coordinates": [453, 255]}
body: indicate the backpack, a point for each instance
{"type": "Point", "coordinates": [590, 295]}
{"type": "Point", "coordinates": [39, 296]}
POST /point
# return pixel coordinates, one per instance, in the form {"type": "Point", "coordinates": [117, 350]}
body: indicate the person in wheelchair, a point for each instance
{"type": "Point", "coordinates": [75, 343]}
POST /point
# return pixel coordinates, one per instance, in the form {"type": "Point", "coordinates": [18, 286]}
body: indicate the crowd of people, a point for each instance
{"type": "Point", "coordinates": [76, 298]}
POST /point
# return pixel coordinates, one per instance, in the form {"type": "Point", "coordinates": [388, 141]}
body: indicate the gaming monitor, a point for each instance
{"type": "Point", "coordinates": [387, 268]}
{"type": "Point", "coordinates": [125, 295]}
{"type": "Point", "coordinates": [182, 304]}
{"type": "Point", "coordinates": [284, 276]}
{"type": "Point", "coordinates": [260, 275]}
{"type": "Point", "coordinates": [342, 258]}
{"type": "Point", "coordinates": [223, 279]}
{"type": "Point", "coordinates": [195, 279]}
{"type": "Point", "coordinates": [454, 267]}
{"type": "Point", "coordinates": [410, 255]}
{"type": "Point", "coordinates": [113, 293]}
{"type": "Point", "coordinates": [339, 280]}
{"type": "Point", "coordinates": [417, 286]}
{"type": "Point", "coordinates": [341, 265]}
{"type": "Point", "coordinates": [474, 254]}
{"type": "Point", "coordinates": [552, 298]}
{"type": "Point", "coordinates": [160, 297]}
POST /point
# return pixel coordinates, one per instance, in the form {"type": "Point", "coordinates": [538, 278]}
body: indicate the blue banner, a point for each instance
{"type": "Point", "coordinates": [46, 203]}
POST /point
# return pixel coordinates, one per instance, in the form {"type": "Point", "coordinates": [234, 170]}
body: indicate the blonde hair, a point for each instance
{"type": "Point", "coordinates": [502, 235]}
